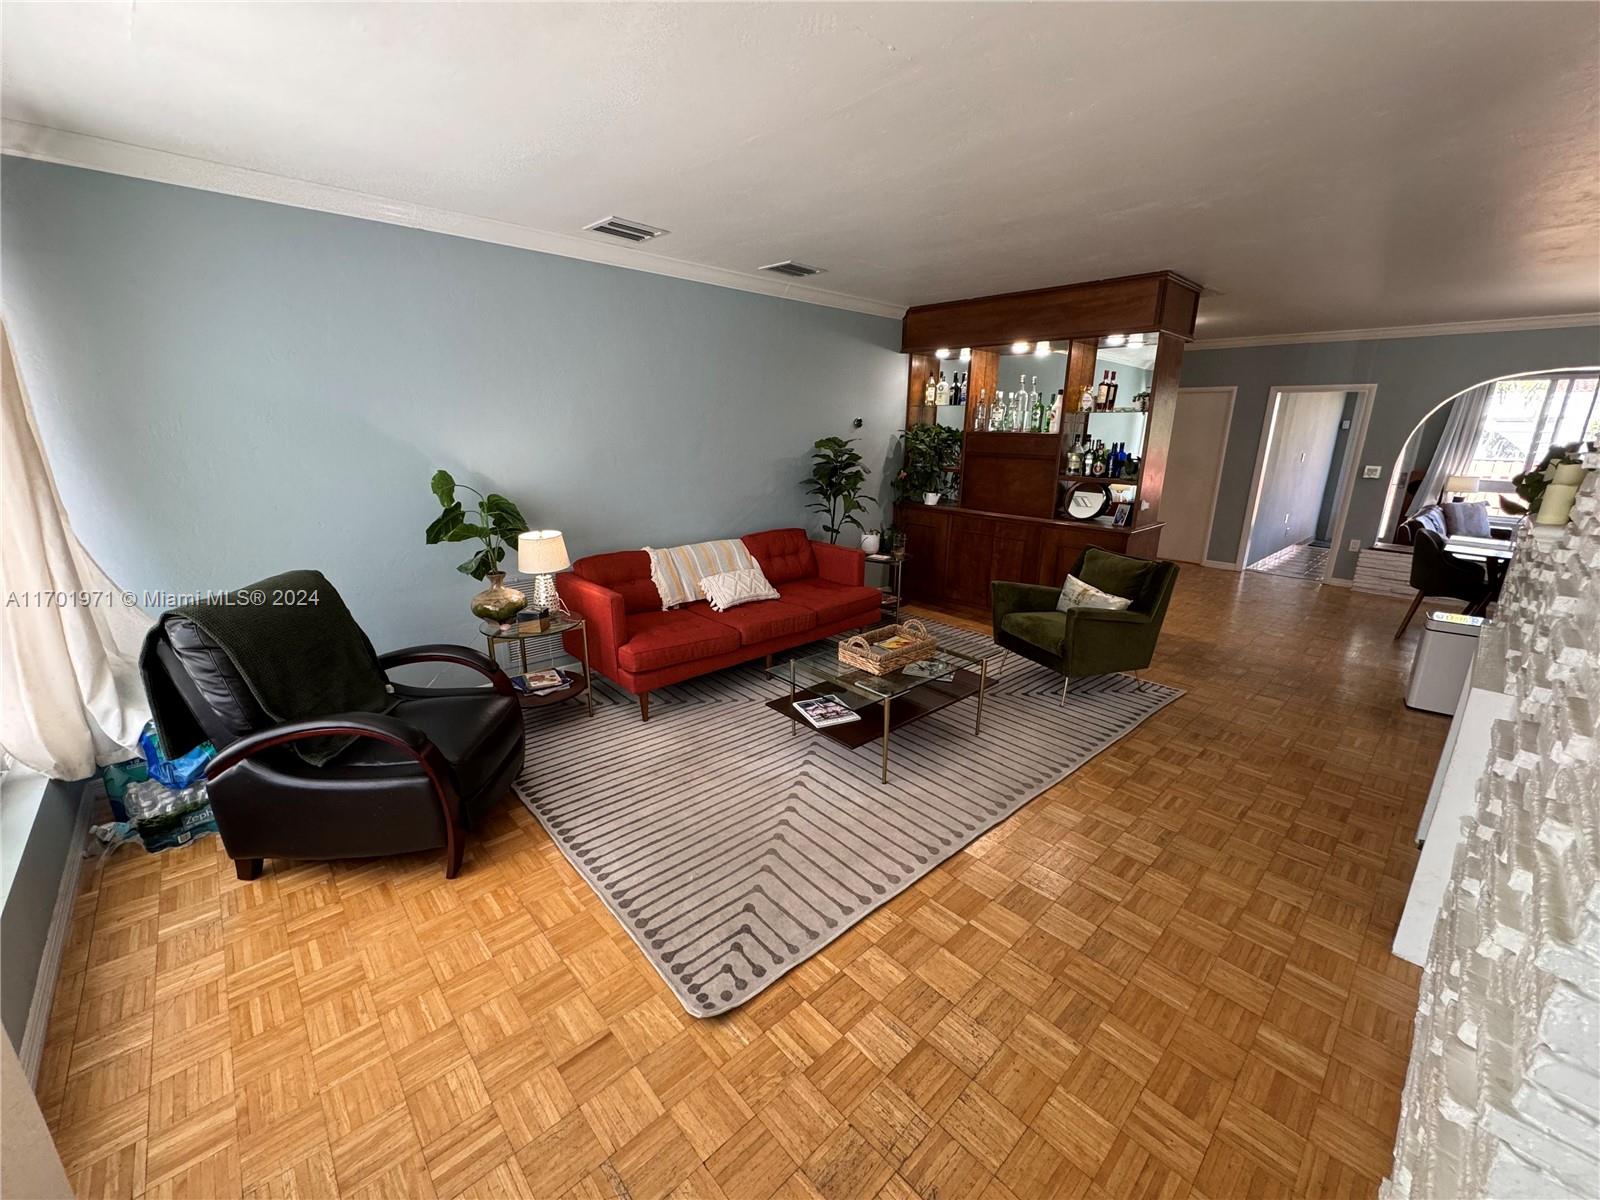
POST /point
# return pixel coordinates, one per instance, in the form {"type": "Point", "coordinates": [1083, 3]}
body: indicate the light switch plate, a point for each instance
{"type": "Point", "coordinates": [1355, 544]}
{"type": "Point", "coordinates": [1372, 472]}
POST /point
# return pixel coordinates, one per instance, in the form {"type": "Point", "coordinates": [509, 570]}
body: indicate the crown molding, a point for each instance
{"type": "Point", "coordinates": [1447, 329]}
{"type": "Point", "coordinates": [159, 166]}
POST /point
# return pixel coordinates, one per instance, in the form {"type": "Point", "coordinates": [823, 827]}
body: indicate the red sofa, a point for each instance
{"type": "Point", "coordinates": [636, 645]}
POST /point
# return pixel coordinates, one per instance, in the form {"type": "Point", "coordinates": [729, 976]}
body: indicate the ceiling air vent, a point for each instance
{"type": "Point", "coordinates": [792, 269]}
{"type": "Point", "coordinates": [628, 231]}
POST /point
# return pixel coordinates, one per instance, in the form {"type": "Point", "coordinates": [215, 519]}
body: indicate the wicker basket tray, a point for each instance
{"type": "Point", "coordinates": [864, 652]}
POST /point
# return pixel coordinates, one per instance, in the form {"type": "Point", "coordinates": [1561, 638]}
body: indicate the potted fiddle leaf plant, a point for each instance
{"type": "Point", "coordinates": [494, 521]}
{"type": "Point", "coordinates": [932, 452]}
{"type": "Point", "coordinates": [835, 481]}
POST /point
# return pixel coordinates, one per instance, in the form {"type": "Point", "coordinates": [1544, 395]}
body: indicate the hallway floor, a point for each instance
{"type": "Point", "coordinates": [1307, 561]}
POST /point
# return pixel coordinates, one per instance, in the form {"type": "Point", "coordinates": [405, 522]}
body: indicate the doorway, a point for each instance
{"type": "Point", "coordinates": [1302, 481]}
{"type": "Point", "coordinates": [1200, 426]}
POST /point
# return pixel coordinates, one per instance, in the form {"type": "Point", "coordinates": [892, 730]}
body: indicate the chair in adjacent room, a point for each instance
{"type": "Point", "coordinates": [410, 777]}
{"type": "Point", "coordinates": [1087, 641]}
{"type": "Point", "coordinates": [1437, 572]}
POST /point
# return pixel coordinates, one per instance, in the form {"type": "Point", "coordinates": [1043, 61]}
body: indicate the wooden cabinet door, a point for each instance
{"type": "Point", "coordinates": [969, 562]}
{"type": "Point", "coordinates": [925, 553]}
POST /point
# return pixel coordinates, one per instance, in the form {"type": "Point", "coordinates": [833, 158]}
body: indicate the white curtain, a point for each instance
{"type": "Point", "coordinates": [1456, 445]}
{"type": "Point", "coordinates": [70, 696]}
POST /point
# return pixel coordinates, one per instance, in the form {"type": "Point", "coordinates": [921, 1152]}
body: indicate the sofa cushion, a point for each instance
{"type": "Point", "coordinates": [831, 601]}
{"type": "Point", "coordinates": [1046, 630]}
{"type": "Point", "coordinates": [1468, 520]}
{"type": "Point", "coordinates": [784, 554]}
{"type": "Point", "coordinates": [665, 639]}
{"type": "Point", "coordinates": [626, 572]}
{"type": "Point", "coordinates": [764, 620]}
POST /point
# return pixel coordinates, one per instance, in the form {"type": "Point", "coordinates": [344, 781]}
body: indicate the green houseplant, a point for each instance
{"type": "Point", "coordinates": [835, 481]}
{"type": "Point", "coordinates": [494, 521]}
{"type": "Point", "coordinates": [932, 452]}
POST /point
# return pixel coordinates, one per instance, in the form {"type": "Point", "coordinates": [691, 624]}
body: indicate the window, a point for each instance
{"type": "Point", "coordinates": [1523, 419]}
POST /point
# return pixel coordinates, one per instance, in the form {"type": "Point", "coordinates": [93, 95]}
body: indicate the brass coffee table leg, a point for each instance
{"type": "Point", "coordinates": [886, 739]}
{"type": "Point", "coordinates": [983, 684]}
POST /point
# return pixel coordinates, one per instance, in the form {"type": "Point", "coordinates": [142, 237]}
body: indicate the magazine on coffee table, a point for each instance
{"type": "Point", "coordinates": [823, 711]}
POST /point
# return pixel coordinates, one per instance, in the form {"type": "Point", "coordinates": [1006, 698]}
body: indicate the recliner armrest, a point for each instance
{"type": "Point", "coordinates": [463, 656]}
{"type": "Point", "coordinates": [839, 564]}
{"type": "Point", "coordinates": [378, 726]}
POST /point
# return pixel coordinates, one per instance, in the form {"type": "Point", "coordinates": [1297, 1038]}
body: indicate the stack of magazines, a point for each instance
{"type": "Point", "coordinates": [823, 711]}
{"type": "Point", "coordinates": [541, 683]}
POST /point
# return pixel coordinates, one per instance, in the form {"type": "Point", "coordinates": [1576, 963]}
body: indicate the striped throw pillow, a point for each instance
{"type": "Point", "coordinates": [677, 571]}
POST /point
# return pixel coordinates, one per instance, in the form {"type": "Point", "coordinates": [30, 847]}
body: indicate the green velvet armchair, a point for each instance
{"type": "Point", "coordinates": [1087, 641]}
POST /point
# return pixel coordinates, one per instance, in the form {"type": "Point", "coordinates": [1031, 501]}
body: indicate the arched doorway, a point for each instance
{"type": "Point", "coordinates": [1489, 433]}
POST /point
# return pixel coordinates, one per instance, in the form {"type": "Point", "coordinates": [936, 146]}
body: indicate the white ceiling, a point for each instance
{"type": "Point", "coordinates": [1316, 166]}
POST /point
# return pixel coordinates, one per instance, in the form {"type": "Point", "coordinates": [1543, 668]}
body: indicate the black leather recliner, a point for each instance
{"type": "Point", "coordinates": [413, 778]}
{"type": "Point", "coordinates": [1436, 573]}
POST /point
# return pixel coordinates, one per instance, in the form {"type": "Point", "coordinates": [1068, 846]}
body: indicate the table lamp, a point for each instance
{"type": "Point", "coordinates": [541, 553]}
{"type": "Point", "coordinates": [1459, 484]}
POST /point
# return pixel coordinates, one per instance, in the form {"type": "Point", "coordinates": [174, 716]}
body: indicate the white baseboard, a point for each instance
{"type": "Point", "coordinates": [1220, 565]}
{"type": "Point", "coordinates": [31, 1052]}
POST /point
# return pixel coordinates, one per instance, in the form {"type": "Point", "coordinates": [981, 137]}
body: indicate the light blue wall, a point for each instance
{"type": "Point", "coordinates": [229, 388]}
{"type": "Point", "coordinates": [38, 818]}
{"type": "Point", "coordinates": [1412, 375]}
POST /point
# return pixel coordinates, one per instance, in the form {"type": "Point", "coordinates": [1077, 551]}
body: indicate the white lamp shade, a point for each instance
{"type": "Point", "coordinates": [542, 552]}
{"type": "Point", "coordinates": [1461, 483]}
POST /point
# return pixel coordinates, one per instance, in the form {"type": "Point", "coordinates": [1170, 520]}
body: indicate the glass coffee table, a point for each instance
{"type": "Point", "coordinates": [882, 703]}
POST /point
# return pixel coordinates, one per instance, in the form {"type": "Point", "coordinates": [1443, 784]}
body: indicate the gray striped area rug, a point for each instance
{"type": "Point", "coordinates": [731, 850]}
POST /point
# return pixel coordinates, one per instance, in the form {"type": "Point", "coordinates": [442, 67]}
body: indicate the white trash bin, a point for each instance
{"type": "Point", "coordinates": [1443, 662]}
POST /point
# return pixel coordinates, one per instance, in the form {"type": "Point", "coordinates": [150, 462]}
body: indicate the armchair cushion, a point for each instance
{"type": "Point", "coordinates": [1046, 630]}
{"type": "Point", "coordinates": [1115, 573]}
{"type": "Point", "coordinates": [1075, 593]}
{"type": "Point", "coordinates": [665, 639]}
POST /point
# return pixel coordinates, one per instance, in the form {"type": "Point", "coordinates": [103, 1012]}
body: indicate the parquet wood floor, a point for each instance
{"type": "Point", "coordinates": [1168, 976]}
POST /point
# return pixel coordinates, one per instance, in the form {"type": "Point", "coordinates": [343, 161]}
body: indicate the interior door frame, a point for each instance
{"type": "Point", "coordinates": [1222, 459]}
{"type": "Point", "coordinates": [1354, 444]}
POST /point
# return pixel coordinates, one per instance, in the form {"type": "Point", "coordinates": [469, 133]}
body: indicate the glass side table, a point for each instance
{"type": "Point", "coordinates": [520, 633]}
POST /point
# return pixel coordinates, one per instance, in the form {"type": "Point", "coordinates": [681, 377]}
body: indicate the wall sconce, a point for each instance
{"type": "Point", "coordinates": [942, 352]}
{"type": "Point", "coordinates": [1019, 347]}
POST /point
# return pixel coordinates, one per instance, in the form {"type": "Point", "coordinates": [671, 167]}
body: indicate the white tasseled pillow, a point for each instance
{"type": "Point", "coordinates": [1075, 593]}
{"type": "Point", "coordinates": [733, 588]}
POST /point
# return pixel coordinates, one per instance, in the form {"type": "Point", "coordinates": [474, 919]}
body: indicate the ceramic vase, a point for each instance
{"type": "Point", "coordinates": [930, 498]}
{"type": "Point", "coordinates": [870, 543]}
{"type": "Point", "coordinates": [497, 602]}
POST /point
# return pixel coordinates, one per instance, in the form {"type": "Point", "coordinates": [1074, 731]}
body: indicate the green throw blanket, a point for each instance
{"type": "Point", "coordinates": [298, 649]}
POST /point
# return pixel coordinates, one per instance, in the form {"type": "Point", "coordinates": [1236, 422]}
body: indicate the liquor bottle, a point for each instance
{"type": "Point", "coordinates": [1086, 399]}
{"type": "Point", "coordinates": [1104, 393]}
{"type": "Point", "coordinates": [1113, 403]}
{"type": "Point", "coordinates": [980, 415]}
{"type": "Point", "coordinates": [1074, 459]}
{"type": "Point", "coordinates": [1054, 419]}
{"type": "Point", "coordinates": [941, 394]}
{"type": "Point", "coordinates": [928, 392]}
